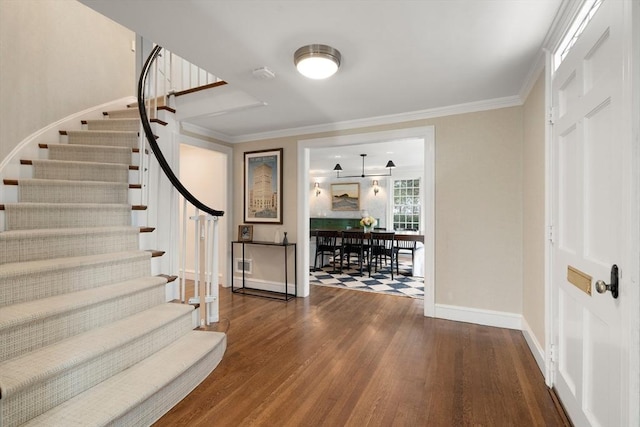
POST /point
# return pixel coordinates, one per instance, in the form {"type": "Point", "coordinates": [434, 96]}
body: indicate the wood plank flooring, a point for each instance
{"type": "Point", "coordinates": [349, 358]}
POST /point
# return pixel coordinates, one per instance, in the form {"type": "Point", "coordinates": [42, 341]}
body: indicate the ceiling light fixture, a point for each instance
{"type": "Point", "coordinates": [338, 168]}
{"type": "Point", "coordinates": [317, 61]}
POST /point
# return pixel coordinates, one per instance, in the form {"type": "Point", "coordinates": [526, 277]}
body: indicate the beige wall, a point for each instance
{"type": "Point", "coordinates": [204, 173]}
{"type": "Point", "coordinates": [58, 58]}
{"type": "Point", "coordinates": [533, 199]}
{"type": "Point", "coordinates": [478, 205]}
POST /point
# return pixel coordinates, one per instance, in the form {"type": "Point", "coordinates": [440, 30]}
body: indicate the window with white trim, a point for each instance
{"type": "Point", "coordinates": [406, 204]}
{"type": "Point", "coordinates": [588, 10]}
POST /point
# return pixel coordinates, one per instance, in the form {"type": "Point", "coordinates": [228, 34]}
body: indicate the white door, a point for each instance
{"type": "Point", "coordinates": [590, 209]}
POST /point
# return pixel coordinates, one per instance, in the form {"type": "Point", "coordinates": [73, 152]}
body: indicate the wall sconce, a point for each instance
{"type": "Point", "coordinates": [376, 188]}
{"type": "Point", "coordinates": [317, 187]}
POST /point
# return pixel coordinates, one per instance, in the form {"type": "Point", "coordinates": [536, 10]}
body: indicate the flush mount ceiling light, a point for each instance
{"type": "Point", "coordinates": [317, 61]}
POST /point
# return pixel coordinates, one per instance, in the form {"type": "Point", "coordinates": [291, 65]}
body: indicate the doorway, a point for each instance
{"type": "Point", "coordinates": [427, 135]}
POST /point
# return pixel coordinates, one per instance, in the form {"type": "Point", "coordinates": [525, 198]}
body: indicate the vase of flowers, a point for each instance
{"type": "Point", "coordinates": [367, 223]}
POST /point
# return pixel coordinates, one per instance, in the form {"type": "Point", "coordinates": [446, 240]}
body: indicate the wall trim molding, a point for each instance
{"type": "Point", "coordinates": [204, 132]}
{"type": "Point", "coordinates": [469, 107]}
{"type": "Point", "coordinates": [263, 285]}
{"type": "Point", "coordinates": [535, 347]}
{"type": "Point", "coordinates": [500, 319]}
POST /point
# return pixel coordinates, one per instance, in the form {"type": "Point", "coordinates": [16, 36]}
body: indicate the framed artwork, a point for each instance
{"type": "Point", "coordinates": [345, 197]}
{"type": "Point", "coordinates": [263, 186]}
{"type": "Point", "coordinates": [245, 233]}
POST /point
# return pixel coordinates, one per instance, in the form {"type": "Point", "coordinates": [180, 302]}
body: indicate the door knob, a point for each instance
{"type": "Point", "coordinates": [602, 287]}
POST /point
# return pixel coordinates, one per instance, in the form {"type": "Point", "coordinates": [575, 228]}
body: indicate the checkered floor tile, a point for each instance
{"type": "Point", "coordinates": [402, 285]}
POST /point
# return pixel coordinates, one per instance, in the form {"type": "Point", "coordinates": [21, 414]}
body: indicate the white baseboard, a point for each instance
{"type": "Point", "coordinates": [263, 285]}
{"type": "Point", "coordinates": [534, 346]}
{"type": "Point", "coordinates": [500, 319]}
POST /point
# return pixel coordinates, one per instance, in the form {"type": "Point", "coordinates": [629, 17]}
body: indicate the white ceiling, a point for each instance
{"type": "Point", "coordinates": [400, 58]}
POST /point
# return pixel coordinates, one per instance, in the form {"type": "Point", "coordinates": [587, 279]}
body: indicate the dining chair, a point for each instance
{"type": "Point", "coordinates": [353, 243]}
{"type": "Point", "coordinates": [405, 246]}
{"type": "Point", "coordinates": [326, 244]}
{"type": "Point", "coordinates": [382, 249]}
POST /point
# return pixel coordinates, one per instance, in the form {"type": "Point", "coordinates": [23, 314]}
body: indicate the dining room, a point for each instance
{"type": "Point", "coordinates": [376, 190]}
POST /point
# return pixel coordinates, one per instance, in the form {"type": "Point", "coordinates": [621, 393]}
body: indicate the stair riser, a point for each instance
{"type": "Point", "coordinates": [167, 397]}
{"type": "Point", "coordinates": [70, 383]}
{"type": "Point", "coordinates": [24, 286]}
{"type": "Point", "coordinates": [124, 114]}
{"type": "Point", "coordinates": [73, 192]}
{"type": "Point", "coordinates": [29, 217]}
{"type": "Point", "coordinates": [61, 246]}
{"type": "Point", "coordinates": [31, 336]}
{"type": "Point", "coordinates": [176, 371]}
{"type": "Point", "coordinates": [87, 153]}
{"type": "Point", "coordinates": [138, 218]}
{"type": "Point", "coordinates": [129, 125]}
{"type": "Point", "coordinates": [103, 138]}
{"type": "Point", "coordinates": [78, 171]}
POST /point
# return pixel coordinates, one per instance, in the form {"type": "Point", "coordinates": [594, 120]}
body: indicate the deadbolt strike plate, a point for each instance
{"type": "Point", "coordinates": [579, 279]}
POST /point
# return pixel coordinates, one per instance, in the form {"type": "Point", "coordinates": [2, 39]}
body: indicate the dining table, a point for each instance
{"type": "Point", "coordinates": [406, 235]}
{"type": "Point", "coordinates": [399, 235]}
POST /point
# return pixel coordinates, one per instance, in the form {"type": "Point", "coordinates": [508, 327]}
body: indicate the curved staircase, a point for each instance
{"type": "Point", "coordinates": [86, 335]}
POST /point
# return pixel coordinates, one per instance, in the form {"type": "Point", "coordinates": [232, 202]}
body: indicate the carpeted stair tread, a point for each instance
{"type": "Point", "coordinates": [37, 244]}
{"type": "Point", "coordinates": [80, 171]}
{"type": "Point", "coordinates": [71, 366]}
{"type": "Point", "coordinates": [34, 324]}
{"type": "Point", "coordinates": [22, 371]}
{"type": "Point", "coordinates": [26, 281]}
{"type": "Point", "coordinates": [24, 216]}
{"type": "Point", "coordinates": [112, 138]}
{"type": "Point", "coordinates": [69, 191]}
{"type": "Point", "coordinates": [125, 124]}
{"type": "Point", "coordinates": [140, 395]}
{"type": "Point", "coordinates": [89, 153]}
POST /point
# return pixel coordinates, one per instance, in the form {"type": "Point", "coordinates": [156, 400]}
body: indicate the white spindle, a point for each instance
{"type": "Point", "coordinates": [183, 255]}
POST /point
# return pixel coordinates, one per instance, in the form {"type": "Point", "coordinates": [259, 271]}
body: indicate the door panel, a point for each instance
{"type": "Point", "coordinates": [588, 157]}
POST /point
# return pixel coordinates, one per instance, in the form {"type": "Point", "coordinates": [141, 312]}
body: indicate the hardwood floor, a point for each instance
{"type": "Point", "coordinates": [349, 358]}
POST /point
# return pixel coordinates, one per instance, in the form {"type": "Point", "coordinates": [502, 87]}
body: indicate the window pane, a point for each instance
{"type": "Point", "coordinates": [406, 204]}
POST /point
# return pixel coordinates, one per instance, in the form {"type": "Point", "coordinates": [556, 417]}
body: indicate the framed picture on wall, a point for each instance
{"type": "Point", "coordinates": [263, 186]}
{"type": "Point", "coordinates": [345, 197]}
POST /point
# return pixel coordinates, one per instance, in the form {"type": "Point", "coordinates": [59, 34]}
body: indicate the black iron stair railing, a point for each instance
{"type": "Point", "coordinates": [146, 125]}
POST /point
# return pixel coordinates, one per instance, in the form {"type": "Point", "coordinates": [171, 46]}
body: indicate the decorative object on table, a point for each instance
{"type": "Point", "coordinates": [285, 241]}
{"type": "Point", "coordinates": [276, 237]}
{"type": "Point", "coordinates": [368, 222]}
{"type": "Point", "coordinates": [345, 197]}
{"type": "Point", "coordinates": [245, 233]}
{"type": "Point", "coordinates": [263, 186]}
{"type": "Point", "coordinates": [389, 166]}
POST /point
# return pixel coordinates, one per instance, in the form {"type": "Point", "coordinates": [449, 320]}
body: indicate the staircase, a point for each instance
{"type": "Point", "coordinates": [86, 335]}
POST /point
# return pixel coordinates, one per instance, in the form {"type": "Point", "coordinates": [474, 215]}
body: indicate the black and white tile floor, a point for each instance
{"type": "Point", "coordinates": [402, 285]}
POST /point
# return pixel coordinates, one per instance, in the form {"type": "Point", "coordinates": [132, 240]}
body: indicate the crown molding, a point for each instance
{"type": "Point", "coordinates": [202, 131]}
{"type": "Point", "coordinates": [533, 75]}
{"type": "Point", "coordinates": [470, 107]}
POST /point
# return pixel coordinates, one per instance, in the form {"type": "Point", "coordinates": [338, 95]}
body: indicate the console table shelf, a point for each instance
{"type": "Point", "coordinates": [285, 296]}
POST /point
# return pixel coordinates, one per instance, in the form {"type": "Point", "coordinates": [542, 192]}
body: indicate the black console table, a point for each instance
{"type": "Point", "coordinates": [286, 296]}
